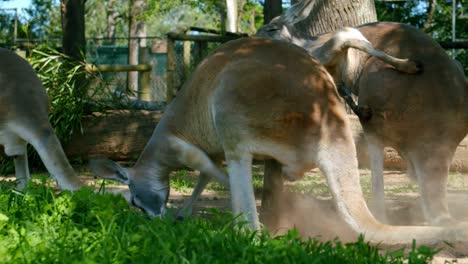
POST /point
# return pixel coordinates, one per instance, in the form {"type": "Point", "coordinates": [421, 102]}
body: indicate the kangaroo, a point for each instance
{"type": "Point", "coordinates": [24, 119]}
{"type": "Point", "coordinates": [244, 102]}
{"type": "Point", "coordinates": [423, 116]}
{"type": "Point", "coordinates": [332, 52]}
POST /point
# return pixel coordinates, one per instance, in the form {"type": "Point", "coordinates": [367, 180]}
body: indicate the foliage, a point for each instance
{"type": "Point", "coordinates": [165, 16]}
{"type": "Point", "coordinates": [245, 15]}
{"type": "Point", "coordinates": [84, 227]}
{"type": "Point", "coordinates": [38, 23]}
{"type": "Point", "coordinates": [97, 13]}
{"type": "Point", "coordinates": [415, 13]}
{"type": "Point", "coordinates": [44, 23]}
{"type": "Point", "coordinates": [6, 26]}
{"type": "Point", "coordinates": [68, 99]}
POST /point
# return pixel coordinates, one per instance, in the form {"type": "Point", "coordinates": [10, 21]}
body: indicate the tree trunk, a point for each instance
{"type": "Point", "coordinates": [430, 14]}
{"type": "Point", "coordinates": [271, 10]}
{"type": "Point", "coordinates": [252, 21]}
{"type": "Point", "coordinates": [330, 15]}
{"type": "Point", "coordinates": [231, 9]}
{"type": "Point", "coordinates": [240, 13]}
{"type": "Point", "coordinates": [112, 16]}
{"type": "Point", "coordinates": [136, 34]}
{"type": "Point", "coordinates": [73, 27]}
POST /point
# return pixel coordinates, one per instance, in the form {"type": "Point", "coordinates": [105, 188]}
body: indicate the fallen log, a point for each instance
{"type": "Point", "coordinates": [119, 135]}
{"type": "Point", "coordinates": [122, 135]}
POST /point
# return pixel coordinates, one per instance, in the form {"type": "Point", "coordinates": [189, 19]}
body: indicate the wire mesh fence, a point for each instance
{"type": "Point", "coordinates": [99, 52]}
{"type": "Point", "coordinates": [185, 57]}
{"type": "Point", "coordinates": [185, 51]}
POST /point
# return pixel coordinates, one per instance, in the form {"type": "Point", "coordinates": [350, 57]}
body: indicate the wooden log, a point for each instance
{"type": "Point", "coordinates": [122, 135]}
{"type": "Point", "coordinates": [214, 31]}
{"type": "Point", "coordinates": [118, 67]}
{"type": "Point", "coordinates": [119, 135]}
{"type": "Point", "coordinates": [202, 38]}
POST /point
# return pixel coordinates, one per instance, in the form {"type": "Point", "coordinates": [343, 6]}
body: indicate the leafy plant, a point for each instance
{"type": "Point", "coordinates": [67, 93]}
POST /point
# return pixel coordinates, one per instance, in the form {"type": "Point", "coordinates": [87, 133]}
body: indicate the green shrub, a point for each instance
{"type": "Point", "coordinates": [38, 226]}
{"type": "Point", "coordinates": [65, 82]}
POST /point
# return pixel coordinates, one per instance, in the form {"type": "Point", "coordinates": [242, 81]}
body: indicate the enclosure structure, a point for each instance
{"type": "Point", "coordinates": [194, 48]}
{"type": "Point", "coordinates": [171, 60]}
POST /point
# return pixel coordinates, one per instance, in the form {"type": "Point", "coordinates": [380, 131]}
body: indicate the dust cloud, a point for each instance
{"type": "Point", "coordinates": [312, 217]}
{"type": "Point", "coordinates": [317, 217]}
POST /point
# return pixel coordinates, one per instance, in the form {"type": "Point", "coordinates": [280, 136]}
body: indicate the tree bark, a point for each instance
{"type": "Point", "coordinates": [252, 21]}
{"type": "Point", "coordinates": [330, 15]}
{"type": "Point", "coordinates": [231, 9]}
{"type": "Point", "coordinates": [293, 2]}
{"type": "Point", "coordinates": [271, 10]}
{"type": "Point", "coordinates": [430, 14]}
{"type": "Point", "coordinates": [136, 34]}
{"type": "Point", "coordinates": [112, 16]}
{"type": "Point", "coordinates": [73, 27]}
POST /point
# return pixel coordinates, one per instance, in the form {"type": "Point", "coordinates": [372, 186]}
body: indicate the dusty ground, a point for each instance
{"type": "Point", "coordinates": [309, 208]}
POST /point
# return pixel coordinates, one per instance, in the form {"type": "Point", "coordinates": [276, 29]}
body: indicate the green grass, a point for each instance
{"type": "Point", "coordinates": [184, 181]}
{"type": "Point", "coordinates": [40, 226]}
{"type": "Point", "coordinates": [313, 184]}
{"type": "Point", "coordinates": [457, 181]}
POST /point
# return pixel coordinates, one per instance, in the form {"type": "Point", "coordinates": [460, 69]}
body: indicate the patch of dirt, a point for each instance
{"type": "Point", "coordinates": [317, 217]}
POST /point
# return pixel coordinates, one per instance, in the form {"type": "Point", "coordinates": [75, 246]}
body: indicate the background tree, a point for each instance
{"type": "Point", "coordinates": [231, 10]}
{"type": "Point", "coordinates": [107, 19]}
{"type": "Point", "coordinates": [271, 9]}
{"type": "Point", "coordinates": [434, 17]}
{"type": "Point", "coordinates": [112, 20]}
{"type": "Point", "coordinates": [7, 28]}
{"type": "Point", "coordinates": [330, 15]}
{"type": "Point", "coordinates": [73, 27]}
{"type": "Point", "coordinates": [166, 16]}
{"type": "Point", "coordinates": [45, 17]}
{"type": "Point", "coordinates": [250, 16]}
{"type": "Point", "coordinates": [430, 14]}
{"type": "Point", "coordinates": [95, 12]}
{"type": "Point", "coordinates": [137, 39]}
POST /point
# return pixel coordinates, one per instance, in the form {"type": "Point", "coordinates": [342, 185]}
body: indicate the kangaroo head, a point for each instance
{"type": "Point", "coordinates": [149, 188]}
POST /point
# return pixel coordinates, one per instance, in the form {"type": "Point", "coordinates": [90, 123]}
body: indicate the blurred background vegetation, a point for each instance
{"type": "Point", "coordinates": [41, 20]}
{"type": "Point", "coordinates": [37, 27]}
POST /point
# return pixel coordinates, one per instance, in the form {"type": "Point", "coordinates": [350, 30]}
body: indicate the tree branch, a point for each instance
{"type": "Point", "coordinates": [430, 14]}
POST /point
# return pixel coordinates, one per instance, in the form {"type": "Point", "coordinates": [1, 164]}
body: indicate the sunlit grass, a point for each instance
{"type": "Point", "coordinates": [41, 226]}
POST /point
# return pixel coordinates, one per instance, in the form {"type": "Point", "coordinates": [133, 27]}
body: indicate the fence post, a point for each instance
{"type": "Point", "coordinates": [187, 55]}
{"type": "Point", "coordinates": [170, 69]}
{"type": "Point", "coordinates": [144, 92]}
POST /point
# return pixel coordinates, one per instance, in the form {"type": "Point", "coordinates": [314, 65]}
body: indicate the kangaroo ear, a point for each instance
{"type": "Point", "coordinates": [299, 11]}
{"type": "Point", "coordinates": [107, 169]}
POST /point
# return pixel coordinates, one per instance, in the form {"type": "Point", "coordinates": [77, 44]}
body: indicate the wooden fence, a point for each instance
{"type": "Point", "coordinates": [200, 43]}
{"type": "Point", "coordinates": [144, 92]}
